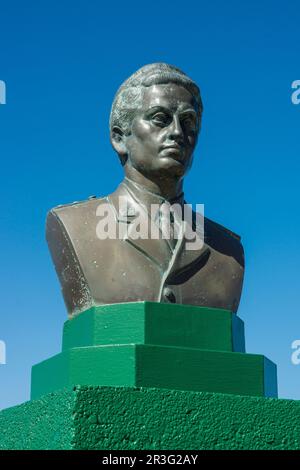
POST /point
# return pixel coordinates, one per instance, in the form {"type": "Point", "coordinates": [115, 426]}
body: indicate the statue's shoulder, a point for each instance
{"type": "Point", "coordinates": [216, 228]}
{"type": "Point", "coordinates": [76, 208]}
{"type": "Point", "coordinates": [225, 243]}
{"type": "Point", "coordinates": [88, 203]}
{"type": "Point", "coordinates": [72, 217]}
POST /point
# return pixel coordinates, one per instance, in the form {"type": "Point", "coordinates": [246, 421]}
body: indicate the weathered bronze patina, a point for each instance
{"type": "Point", "coordinates": [155, 122]}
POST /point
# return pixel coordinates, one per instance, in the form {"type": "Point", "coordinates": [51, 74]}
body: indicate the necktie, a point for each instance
{"type": "Point", "coordinates": [168, 225]}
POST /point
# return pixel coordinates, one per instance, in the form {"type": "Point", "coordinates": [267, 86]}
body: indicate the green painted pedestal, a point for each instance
{"type": "Point", "coordinates": [141, 376]}
{"type": "Point", "coordinates": [141, 418]}
{"type": "Point", "coordinates": [148, 344]}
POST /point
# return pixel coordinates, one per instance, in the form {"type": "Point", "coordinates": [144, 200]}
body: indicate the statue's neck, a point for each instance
{"type": "Point", "coordinates": [167, 188]}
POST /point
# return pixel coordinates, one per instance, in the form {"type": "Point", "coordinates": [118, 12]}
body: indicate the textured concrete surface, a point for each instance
{"type": "Point", "coordinates": [46, 423]}
{"type": "Point", "coordinates": [141, 418]}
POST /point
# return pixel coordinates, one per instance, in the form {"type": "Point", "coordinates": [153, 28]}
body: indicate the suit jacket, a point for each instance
{"type": "Point", "coordinates": [94, 272]}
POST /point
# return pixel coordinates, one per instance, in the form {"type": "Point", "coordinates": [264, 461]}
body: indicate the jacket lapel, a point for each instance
{"type": "Point", "coordinates": [132, 218]}
{"type": "Point", "coordinates": [191, 253]}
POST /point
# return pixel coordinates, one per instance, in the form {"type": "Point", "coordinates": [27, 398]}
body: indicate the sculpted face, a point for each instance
{"type": "Point", "coordinates": [164, 132]}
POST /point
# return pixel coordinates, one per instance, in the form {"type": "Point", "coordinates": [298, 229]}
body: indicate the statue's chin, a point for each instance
{"type": "Point", "coordinates": [164, 167]}
{"type": "Point", "coordinates": [172, 165]}
{"type": "Point", "coordinates": [167, 169]}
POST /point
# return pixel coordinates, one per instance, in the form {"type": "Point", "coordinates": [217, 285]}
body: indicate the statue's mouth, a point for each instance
{"type": "Point", "coordinates": [174, 146]}
{"type": "Point", "coordinates": [173, 151]}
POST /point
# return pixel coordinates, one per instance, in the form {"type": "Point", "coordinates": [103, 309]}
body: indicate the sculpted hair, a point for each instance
{"type": "Point", "coordinates": [128, 98]}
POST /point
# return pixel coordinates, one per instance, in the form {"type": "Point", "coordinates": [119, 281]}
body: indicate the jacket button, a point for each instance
{"type": "Point", "coordinates": [169, 295]}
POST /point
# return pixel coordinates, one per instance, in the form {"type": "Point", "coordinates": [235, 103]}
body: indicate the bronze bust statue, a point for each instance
{"type": "Point", "coordinates": [154, 124]}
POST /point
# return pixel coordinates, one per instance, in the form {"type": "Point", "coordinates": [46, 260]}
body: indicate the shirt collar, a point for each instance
{"type": "Point", "coordinates": [147, 198]}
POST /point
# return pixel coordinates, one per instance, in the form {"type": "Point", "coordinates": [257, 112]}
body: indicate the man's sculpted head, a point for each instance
{"type": "Point", "coordinates": [155, 120]}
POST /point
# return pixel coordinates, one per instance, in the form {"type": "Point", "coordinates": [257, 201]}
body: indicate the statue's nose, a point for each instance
{"type": "Point", "coordinates": [176, 132]}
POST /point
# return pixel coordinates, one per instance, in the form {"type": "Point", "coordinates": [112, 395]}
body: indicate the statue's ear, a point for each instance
{"type": "Point", "coordinates": [118, 140]}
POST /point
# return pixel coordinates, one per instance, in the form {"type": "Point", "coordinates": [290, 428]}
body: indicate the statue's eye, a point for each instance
{"type": "Point", "coordinates": [161, 119]}
{"type": "Point", "coordinates": [189, 121]}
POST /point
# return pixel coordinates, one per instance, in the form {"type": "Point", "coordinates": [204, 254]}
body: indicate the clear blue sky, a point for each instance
{"type": "Point", "coordinates": [62, 63]}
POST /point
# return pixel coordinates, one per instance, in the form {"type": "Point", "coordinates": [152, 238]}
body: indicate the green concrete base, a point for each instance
{"type": "Point", "coordinates": [148, 344]}
{"type": "Point", "coordinates": [159, 367]}
{"type": "Point", "coordinates": [184, 326]}
{"type": "Point", "coordinates": [151, 419]}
